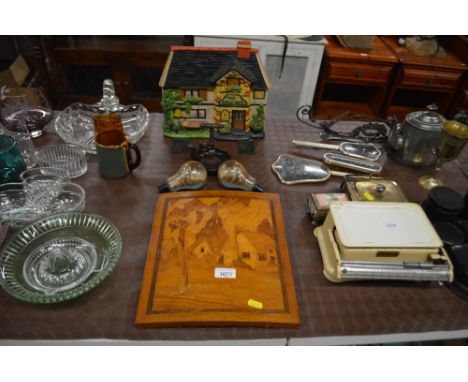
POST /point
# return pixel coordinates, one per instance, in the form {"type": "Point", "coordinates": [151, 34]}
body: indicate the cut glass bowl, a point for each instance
{"type": "Point", "coordinates": [69, 157]}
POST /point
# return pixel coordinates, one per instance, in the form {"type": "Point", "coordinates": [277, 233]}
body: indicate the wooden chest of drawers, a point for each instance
{"type": "Point", "coordinates": [421, 81]}
{"type": "Point", "coordinates": [353, 80]}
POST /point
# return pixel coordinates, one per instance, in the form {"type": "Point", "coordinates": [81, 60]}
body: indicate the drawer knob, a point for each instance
{"type": "Point", "coordinates": [358, 74]}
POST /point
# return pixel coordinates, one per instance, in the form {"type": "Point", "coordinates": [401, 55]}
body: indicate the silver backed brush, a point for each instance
{"type": "Point", "coordinates": [367, 151]}
{"type": "Point", "coordinates": [352, 163]}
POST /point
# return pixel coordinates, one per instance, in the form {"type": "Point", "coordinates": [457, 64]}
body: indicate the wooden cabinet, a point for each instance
{"type": "Point", "coordinates": [460, 102]}
{"type": "Point", "coordinates": [421, 81]}
{"type": "Point", "coordinates": [79, 64]}
{"type": "Point", "coordinates": [353, 80]}
{"type": "Point", "coordinates": [458, 45]}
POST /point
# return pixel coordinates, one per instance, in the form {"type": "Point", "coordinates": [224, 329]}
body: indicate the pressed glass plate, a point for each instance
{"type": "Point", "coordinates": [59, 257]}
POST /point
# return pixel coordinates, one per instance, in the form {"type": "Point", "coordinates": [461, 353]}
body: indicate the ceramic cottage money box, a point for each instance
{"type": "Point", "coordinates": [218, 89]}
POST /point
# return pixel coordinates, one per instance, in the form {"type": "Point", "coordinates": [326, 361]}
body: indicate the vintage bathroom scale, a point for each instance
{"type": "Point", "coordinates": [381, 241]}
{"type": "Point", "coordinates": [218, 258]}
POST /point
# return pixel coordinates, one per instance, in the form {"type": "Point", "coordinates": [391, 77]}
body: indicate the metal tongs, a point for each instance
{"type": "Point", "coordinates": [367, 151]}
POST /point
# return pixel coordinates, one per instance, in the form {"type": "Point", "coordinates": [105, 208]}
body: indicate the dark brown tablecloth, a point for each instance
{"type": "Point", "coordinates": [326, 309]}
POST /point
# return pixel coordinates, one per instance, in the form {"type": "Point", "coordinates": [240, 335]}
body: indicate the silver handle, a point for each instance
{"type": "Point", "coordinates": [315, 145]}
{"type": "Point", "coordinates": [340, 173]}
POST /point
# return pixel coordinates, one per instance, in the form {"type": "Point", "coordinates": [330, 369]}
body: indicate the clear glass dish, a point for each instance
{"type": "Point", "coordinates": [17, 208]}
{"type": "Point", "coordinates": [14, 209]}
{"type": "Point", "coordinates": [43, 173]}
{"type": "Point", "coordinates": [59, 257]}
{"type": "Point", "coordinates": [65, 156]}
{"type": "Point", "coordinates": [70, 198]}
{"type": "Point", "coordinates": [75, 123]}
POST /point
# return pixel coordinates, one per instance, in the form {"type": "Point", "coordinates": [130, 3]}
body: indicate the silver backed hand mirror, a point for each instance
{"type": "Point", "coordinates": [292, 169]}
{"type": "Point", "coordinates": [367, 151]}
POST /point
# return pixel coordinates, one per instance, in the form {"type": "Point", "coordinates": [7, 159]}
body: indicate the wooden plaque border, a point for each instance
{"type": "Point", "coordinates": [147, 317]}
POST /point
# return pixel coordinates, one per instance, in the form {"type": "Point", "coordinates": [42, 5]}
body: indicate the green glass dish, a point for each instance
{"type": "Point", "coordinates": [59, 257]}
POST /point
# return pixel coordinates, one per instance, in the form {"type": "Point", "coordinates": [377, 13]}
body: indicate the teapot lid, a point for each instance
{"type": "Point", "coordinates": [428, 119]}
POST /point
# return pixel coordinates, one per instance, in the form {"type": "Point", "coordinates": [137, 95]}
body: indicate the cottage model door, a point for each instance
{"type": "Point", "coordinates": [238, 119]}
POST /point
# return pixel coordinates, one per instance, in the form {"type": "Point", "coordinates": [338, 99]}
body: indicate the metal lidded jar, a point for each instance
{"type": "Point", "coordinates": [415, 141]}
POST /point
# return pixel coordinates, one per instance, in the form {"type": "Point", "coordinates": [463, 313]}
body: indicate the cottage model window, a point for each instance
{"type": "Point", "coordinates": [231, 81]}
{"type": "Point", "coordinates": [259, 94]}
{"type": "Point", "coordinates": [191, 93]}
{"type": "Point", "coordinates": [225, 116]}
{"type": "Point", "coordinates": [198, 113]}
{"type": "Point", "coordinates": [233, 100]}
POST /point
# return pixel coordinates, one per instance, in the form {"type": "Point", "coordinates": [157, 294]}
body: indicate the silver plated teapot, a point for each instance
{"type": "Point", "coordinates": [414, 142]}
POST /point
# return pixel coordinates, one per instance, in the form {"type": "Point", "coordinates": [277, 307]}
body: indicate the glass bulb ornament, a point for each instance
{"type": "Point", "coordinates": [192, 175]}
{"type": "Point", "coordinates": [232, 174]}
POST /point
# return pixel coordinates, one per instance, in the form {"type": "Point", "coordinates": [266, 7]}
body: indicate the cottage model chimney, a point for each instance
{"type": "Point", "coordinates": [243, 49]}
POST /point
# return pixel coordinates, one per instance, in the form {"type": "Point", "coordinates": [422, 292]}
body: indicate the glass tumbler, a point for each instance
{"type": "Point", "coordinates": [43, 185]}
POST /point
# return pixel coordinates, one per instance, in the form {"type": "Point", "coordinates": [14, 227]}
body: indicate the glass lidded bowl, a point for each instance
{"type": "Point", "coordinates": [60, 257]}
{"type": "Point", "coordinates": [75, 123]}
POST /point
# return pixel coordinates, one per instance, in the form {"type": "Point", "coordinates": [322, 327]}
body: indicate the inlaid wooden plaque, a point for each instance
{"type": "Point", "coordinates": [218, 258]}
